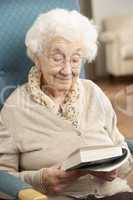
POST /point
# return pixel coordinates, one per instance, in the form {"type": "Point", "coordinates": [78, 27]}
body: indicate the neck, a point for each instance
{"type": "Point", "coordinates": [57, 95]}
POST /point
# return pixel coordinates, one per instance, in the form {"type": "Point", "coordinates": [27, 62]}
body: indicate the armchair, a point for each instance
{"type": "Point", "coordinates": [117, 36]}
{"type": "Point", "coordinates": [16, 18]}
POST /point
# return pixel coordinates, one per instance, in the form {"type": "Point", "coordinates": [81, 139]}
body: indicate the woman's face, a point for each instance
{"type": "Point", "coordinates": [60, 63]}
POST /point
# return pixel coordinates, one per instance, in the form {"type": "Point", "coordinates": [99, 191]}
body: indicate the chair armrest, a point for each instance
{"type": "Point", "coordinates": [125, 36]}
{"type": "Point", "coordinates": [13, 187]}
{"type": "Point", "coordinates": [31, 194]}
{"type": "Point", "coordinates": [127, 51]}
{"type": "Point", "coordinates": [108, 37]}
{"type": "Point", "coordinates": [130, 145]}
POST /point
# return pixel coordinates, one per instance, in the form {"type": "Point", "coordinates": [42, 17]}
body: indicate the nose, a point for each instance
{"type": "Point", "coordinates": [67, 69]}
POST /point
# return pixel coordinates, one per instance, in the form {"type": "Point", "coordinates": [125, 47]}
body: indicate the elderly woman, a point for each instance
{"type": "Point", "coordinates": [55, 112]}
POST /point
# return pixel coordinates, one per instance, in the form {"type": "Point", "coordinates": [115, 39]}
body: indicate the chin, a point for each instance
{"type": "Point", "coordinates": [63, 87]}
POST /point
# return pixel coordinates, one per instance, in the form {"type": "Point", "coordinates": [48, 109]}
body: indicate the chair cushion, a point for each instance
{"type": "Point", "coordinates": [16, 17]}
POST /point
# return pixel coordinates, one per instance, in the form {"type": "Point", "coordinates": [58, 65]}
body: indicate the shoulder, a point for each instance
{"type": "Point", "coordinates": [15, 96]}
{"type": "Point", "coordinates": [89, 85]}
{"type": "Point", "coordinates": [94, 93]}
{"type": "Point", "coordinates": [16, 100]}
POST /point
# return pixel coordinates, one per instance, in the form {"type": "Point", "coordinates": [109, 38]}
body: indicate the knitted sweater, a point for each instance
{"type": "Point", "coordinates": [32, 138]}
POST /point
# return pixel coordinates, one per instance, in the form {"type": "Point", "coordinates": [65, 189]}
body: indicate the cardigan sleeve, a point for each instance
{"type": "Point", "coordinates": [10, 156]}
{"type": "Point", "coordinates": [117, 137]}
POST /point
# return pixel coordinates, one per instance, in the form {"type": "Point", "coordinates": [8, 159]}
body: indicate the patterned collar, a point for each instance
{"type": "Point", "coordinates": [69, 108]}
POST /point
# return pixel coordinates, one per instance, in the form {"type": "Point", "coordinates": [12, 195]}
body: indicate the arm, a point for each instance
{"type": "Point", "coordinates": [117, 137]}
{"type": "Point", "coordinates": [9, 159]}
{"type": "Point", "coordinates": [110, 127]}
{"type": "Point", "coordinates": [50, 180]}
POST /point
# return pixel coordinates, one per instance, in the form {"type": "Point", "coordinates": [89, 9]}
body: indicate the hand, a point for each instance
{"type": "Point", "coordinates": [105, 176]}
{"type": "Point", "coordinates": [56, 179]}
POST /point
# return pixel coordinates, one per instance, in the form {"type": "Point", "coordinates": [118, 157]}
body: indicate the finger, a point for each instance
{"type": "Point", "coordinates": [83, 173]}
{"type": "Point", "coordinates": [110, 178]}
{"type": "Point", "coordinates": [78, 173]}
{"type": "Point", "coordinates": [60, 188]}
{"type": "Point", "coordinates": [114, 172]}
{"type": "Point", "coordinates": [67, 174]}
{"type": "Point", "coordinates": [70, 175]}
{"type": "Point", "coordinates": [68, 180]}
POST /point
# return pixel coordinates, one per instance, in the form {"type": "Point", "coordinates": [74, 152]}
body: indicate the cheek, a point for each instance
{"type": "Point", "coordinates": [49, 69]}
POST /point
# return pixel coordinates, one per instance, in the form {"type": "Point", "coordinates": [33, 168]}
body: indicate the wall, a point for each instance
{"type": "Point", "coordinates": [101, 9]}
{"type": "Point", "coordinates": [86, 9]}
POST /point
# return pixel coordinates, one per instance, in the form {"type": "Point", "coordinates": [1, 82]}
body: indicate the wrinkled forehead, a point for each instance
{"type": "Point", "coordinates": [60, 44]}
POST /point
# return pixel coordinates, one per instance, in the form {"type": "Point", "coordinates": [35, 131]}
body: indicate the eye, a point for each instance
{"type": "Point", "coordinates": [58, 57]}
{"type": "Point", "coordinates": [76, 59]}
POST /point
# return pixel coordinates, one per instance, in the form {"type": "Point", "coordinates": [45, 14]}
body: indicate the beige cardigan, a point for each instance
{"type": "Point", "coordinates": [32, 137]}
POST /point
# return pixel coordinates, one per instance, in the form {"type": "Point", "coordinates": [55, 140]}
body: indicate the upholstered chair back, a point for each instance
{"type": "Point", "coordinates": [16, 16]}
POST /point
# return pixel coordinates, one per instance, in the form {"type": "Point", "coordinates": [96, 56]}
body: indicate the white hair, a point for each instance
{"type": "Point", "coordinates": [70, 25]}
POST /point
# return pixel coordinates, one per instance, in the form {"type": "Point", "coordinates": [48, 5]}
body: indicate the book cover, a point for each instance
{"type": "Point", "coordinates": [96, 158]}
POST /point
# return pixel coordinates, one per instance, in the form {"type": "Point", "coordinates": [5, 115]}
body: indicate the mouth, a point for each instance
{"type": "Point", "coordinates": [68, 78]}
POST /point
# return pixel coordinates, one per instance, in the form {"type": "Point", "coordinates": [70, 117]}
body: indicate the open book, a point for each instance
{"type": "Point", "coordinates": [96, 158]}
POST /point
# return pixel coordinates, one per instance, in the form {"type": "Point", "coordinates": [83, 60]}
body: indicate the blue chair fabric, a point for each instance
{"type": "Point", "coordinates": [10, 185]}
{"type": "Point", "coordinates": [130, 145]}
{"type": "Point", "coordinates": [16, 16]}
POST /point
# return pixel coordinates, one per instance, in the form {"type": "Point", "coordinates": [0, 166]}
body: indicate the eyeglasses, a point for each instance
{"type": "Point", "coordinates": [61, 59]}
